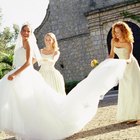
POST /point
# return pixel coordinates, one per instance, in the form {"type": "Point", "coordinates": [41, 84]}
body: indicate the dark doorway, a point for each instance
{"type": "Point", "coordinates": [136, 32]}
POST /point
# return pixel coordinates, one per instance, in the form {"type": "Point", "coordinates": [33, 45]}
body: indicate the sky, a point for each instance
{"type": "Point", "coordinates": [23, 11]}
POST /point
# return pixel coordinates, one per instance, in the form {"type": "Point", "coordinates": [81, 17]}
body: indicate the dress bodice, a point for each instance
{"type": "Point", "coordinates": [48, 56]}
{"type": "Point", "coordinates": [122, 53]}
{"type": "Point", "coordinates": [20, 57]}
{"type": "Point", "coordinates": [49, 60]}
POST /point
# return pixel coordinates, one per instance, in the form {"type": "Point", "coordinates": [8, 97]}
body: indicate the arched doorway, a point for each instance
{"type": "Point", "coordinates": [136, 32]}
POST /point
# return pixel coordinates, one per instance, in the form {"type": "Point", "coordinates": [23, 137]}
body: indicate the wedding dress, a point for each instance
{"type": "Point", "coordinates": [34, 111]}
{"type": "Point", "coordinates": [51, 75]}
{"type": "Point", "coordinates": [129, 89]}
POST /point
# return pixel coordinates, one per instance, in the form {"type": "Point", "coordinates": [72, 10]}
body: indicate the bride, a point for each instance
{"type": "Point", "coordinates": [34, 111]}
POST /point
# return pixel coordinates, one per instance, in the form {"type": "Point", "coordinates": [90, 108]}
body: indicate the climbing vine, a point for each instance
{"type": "Point", "coordinates": [127, 14]}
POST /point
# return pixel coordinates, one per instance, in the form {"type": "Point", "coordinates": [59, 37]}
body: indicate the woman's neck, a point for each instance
{"type": "Point", "coordinates": [122, 40]}
{"type": "Point", "coordinates": [48, 48]}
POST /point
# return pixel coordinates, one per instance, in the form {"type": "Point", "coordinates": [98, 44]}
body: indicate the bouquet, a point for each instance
{"type": "Point", "coordinates": [94, 63]}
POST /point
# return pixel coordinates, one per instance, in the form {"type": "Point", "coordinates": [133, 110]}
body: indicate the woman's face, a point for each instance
{"type": "Point", "coordinates": [49, 41]}
{"type": "Point", "coordinates": [25, 33]}
{"type": "Point", "coordinates": [118, 33]}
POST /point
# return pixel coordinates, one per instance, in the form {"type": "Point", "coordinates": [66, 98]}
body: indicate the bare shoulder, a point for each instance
{"type": "Point", "coordinates": [26, 44]}
{"type": "Point", "coordinates": [112, 43]}
{"type": "Point", "coordinates": [41, 50]}
{"type": "Point", "coordinates": [56, 52]}
{"type": "Point", "coordinates": [129, 46]}
{"type": "Point", "coordinates": [112, 40]}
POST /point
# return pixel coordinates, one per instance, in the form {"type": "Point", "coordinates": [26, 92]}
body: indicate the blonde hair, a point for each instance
{"type": "Point", "coordinates": [125, 29]}
{"type": "Point", "coordinates": [55, 43]}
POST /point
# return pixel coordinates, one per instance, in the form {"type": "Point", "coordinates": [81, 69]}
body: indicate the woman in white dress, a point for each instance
{"type": "Point", "coordinates": [129, 88]}
{"type": "Point", "coordinates": [34, 111]}
{"type": "Point", "coordinates": [50, 54]}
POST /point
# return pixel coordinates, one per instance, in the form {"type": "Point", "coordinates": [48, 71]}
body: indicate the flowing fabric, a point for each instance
{"type": "Point", "coordinates": [129, 89]}
{"type": "Point", "coordinates": [34, 111]}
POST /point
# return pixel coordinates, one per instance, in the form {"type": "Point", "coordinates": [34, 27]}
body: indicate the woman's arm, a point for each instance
{"type": "Point", "coordinates": [129, 46]}
{"type": "Point", "coordinates": [34, 61]}
{"type": "Point", "coordinates": [26, 64]}
{"type": "Point", "coordinates": [111, 55]}
{"type": "Point", "coordinates": [56, 56]}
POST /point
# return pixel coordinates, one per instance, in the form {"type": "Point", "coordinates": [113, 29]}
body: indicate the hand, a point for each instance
{"type": "Point", "coordinates": [128, 61]}
{"type": "Point", "coordinates": [11, 77]}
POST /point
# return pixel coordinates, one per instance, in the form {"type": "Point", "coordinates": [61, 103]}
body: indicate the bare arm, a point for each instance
{"type": "Point", "coordinates": [56, 56]}
{"type": "Point", "coordinates": [34, 60]}
{"type": "Point", "coordinates": [111, 55]}
{"type": "Point", "coordinates": [26, 64]}
{"type": "Point", "coordinates": [129, 47]}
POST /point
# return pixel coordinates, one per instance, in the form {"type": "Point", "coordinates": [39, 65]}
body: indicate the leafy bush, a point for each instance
{"type": "Point", "coordinates": [8, 59]}
{"type": "Point", "coordinates": [5, 64]}
{"type": "Point", "coordinates": [70, 85]}
{"type": "Point", "coordinates": [4, 71]}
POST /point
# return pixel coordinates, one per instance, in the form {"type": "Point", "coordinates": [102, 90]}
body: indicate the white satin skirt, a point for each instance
{"type": "Point", "coordinates": [34, 111]}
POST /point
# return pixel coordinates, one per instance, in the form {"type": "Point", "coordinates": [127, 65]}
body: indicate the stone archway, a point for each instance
{"type": "Point", "coordinates": [136, 32]}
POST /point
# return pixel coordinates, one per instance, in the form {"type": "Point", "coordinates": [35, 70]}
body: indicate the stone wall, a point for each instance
{"type": "Point", "coordinates": [67, 21]}
{"type": "Point", "coordinates": [100, 22]}
{"type": "Point", "coordinates": [81, 27]}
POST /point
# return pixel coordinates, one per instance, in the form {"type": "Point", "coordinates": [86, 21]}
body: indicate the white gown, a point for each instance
{"type": "Point", "coordinates": [51, 75]}
{"type": "Point", "coordinates": [129, 89]}
{"type": "Point", "coordinates": [31, 109]}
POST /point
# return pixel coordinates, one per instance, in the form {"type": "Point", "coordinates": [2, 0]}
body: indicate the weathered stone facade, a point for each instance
{"type": "Point", "coordinates": [82, 27]}
{"type": "Point", "coordinates": [101, 20]}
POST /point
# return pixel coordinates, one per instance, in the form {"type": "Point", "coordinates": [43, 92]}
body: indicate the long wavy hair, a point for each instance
{"type": "Point", "coordinates": [125, 29]}
{"type": "Point", "coordinates": [55, 43]}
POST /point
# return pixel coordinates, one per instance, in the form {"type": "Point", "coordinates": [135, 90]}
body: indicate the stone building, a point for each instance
{"type": "Point", "coordinates": [83, 30]}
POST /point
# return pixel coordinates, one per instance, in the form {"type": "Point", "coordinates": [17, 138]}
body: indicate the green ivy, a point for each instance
{"type": "Point", "coordinates": [127, 14]}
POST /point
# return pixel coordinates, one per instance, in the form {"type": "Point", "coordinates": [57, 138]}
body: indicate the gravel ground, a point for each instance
{"type": "Point", "coordinates": [105, 127]}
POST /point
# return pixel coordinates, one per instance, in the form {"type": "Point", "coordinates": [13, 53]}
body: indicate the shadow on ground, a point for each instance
{"type": "Point", "coordinates": [101, 130]}
{"type": "Point", "coordinates": [108, 101]}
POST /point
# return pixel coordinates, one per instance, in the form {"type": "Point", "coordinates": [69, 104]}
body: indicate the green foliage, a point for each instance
{"type": "Point", "coordinates": [6, 61]}
{"type": "Point", "coordinates": [4, 68]}
{"type": "Point", "coordinates": [70, 85]}
{"type": "Point", "coordinates": [7, 58]}
{"type": "Point", "coordinates": [7, 44]}
{"type": "Point", "coordinates": [7, 38]}
{"type": "Point", "coordinates": [16, 31]}
{"type": "Point", "coordinates": [126, 14]}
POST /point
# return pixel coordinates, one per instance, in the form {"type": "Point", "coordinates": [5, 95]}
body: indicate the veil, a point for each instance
{"type": "Point", "coordinates": [33, 46]}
